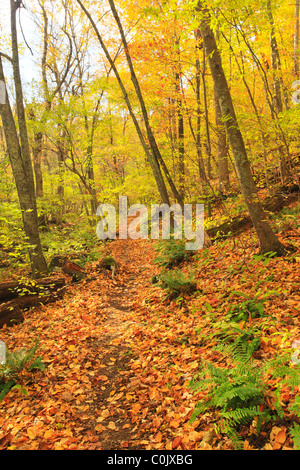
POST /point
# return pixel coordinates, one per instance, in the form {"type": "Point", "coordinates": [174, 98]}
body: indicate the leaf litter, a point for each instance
{"type": "Point", "coordinates": [119, 357]}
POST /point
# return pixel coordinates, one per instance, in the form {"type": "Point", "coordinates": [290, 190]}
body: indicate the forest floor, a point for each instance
{"type": "Point", "coordinates": [119, 356]}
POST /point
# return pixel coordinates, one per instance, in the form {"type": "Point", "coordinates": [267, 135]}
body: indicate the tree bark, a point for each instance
{"type": "Point", "coordinates": [37, 150]}
{"type": "Point", "coordinates": [222, 149]}
{"type": "Point", "coordinates": [180, 122]}
{"type": "Point", "coordinates": [14, 289]}
{"type": "Point", "coordinates": [296, 39]}
{"type": "Point", "coordinates": [25, 187]}
{"type": "Point", "coordinates": [276, 64]}
{"type": "Point", "coordinates": [11, 311]}
{"type": "Point", "coordinates": [22, 153]}
{"type": "Point", "coordinates": [201, 166]}
{"type": "Point", "coordinates": [208, 142]}
{"type": "Point", "coordinates": [267, 238]}
{"type": "Point", "coordinates": [180, 140]}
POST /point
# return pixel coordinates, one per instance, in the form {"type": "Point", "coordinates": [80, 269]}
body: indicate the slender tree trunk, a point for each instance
{"type": "Point", "coordinates": [267, 238]}
{"type": "Point", "coordinates": [208, 143]}
{"type": "Point", "coordinates": [14, 5]}
{"type": "Point", "coordinates": [275, 62]}
{"type": "Point", "coordinates": [180, 140]}
{"type": "Point", "coordinates": [262, 133]}
{"type": "Point", "coordinates": [61, 156]}
{"type": "Point", "coordinates": [222, 149]}
{"type": "Point", "coordinates": [172, 133]}
{"type": "Point", "coordinates": [296, 39]}
{"type": "Point", "coordinates": [201, 166]}
{"type": "Point", "coordinates": [25, 188]}
{"type": "Point", "coordinates": [37, 164]}
{"type": "Point", "coordinates": [180, 120]}
{"type": "Point", "coordinates": [37, 149]}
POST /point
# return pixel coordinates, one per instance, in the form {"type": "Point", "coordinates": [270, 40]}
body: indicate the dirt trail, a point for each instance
{"type": "Point", "coordinates": [113, 419]}
{"type": "Point", "coordinates": [79, 401]}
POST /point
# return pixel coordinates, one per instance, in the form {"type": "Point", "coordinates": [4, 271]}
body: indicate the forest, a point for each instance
{"type": "Point", "coordinates": [136, 343]}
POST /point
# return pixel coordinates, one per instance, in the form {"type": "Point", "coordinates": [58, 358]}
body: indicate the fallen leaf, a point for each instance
{"type": "Point", "coordinates": [111, 425]}
{"type": "Point", "coordinates": [281, 437]}
{"type": "Point", "coordinates": [31, 433]}
{"type": "Point", "coordinates": [174, 424]}
{"type": "Point", "coordinates": [99, 428]}
{"type": "Point", "coordinates": [49, 434]}
{"type": "Point", "coordinates": [67, 396]}
{"type": "Point", "coordinates": [176, 442]}
{"type": "Point", "coordinates": [103, 377]}
{"type": "Point", "coordinates": [105, 414]}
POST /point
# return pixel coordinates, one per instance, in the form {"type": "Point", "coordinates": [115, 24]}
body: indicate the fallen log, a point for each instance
{"type": "Point", "coordinates": [14, 289]}
{"type": "Point", "coordinates": [11, 312]}
{"type": "Point", "coordinates": [239, 224]}
{"type": "Point", "coordinates": [10, 316]}
{"type": "Point", "coordinates": [233, 226]}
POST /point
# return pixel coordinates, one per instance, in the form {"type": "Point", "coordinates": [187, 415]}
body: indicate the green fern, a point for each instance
{"type": "Point", "coordinates": [295, 433]}
{"type": "Point", "coordinates": [239, 392]}
{"type": "Point", "coordinates": [17, 362]}
{"type": "Point", "coordinates": [172, 253]}
{"type": "Point", "coordinates": [252, 306]}
{"type": "Point", "coordinates": [176, 283]}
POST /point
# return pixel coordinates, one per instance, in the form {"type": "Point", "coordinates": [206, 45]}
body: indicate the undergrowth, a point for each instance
{"type": "Point", "coordinates": [16, 367]}
{"type": "Point", "coordinates": [176, 283]}
{"type": "Point", "coordinates": [242, 393]}
{"type": "Point", "coordinates": [171, 253]}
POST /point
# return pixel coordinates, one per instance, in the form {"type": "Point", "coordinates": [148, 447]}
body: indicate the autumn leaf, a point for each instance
{"type": "Point", "coordinates": [176, 442]}
{"type": "Point", "coordinates": [111, 425]}
{"type": "Point", "coordinates": [31, 433]}
{"type": "Point", "coordinates": [174, 424]}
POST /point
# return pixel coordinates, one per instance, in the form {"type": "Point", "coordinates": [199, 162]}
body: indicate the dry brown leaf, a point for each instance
{"type": "Point", "coordinates": [280, 437]}
{"type": "Point", "coordinates": [111, 425]}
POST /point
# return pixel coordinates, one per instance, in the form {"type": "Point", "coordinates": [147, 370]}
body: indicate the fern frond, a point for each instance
{"type": "Point", "coordinates": [241, 415]}
{"type": "Point", "coordinates": [236, 395]}
{"type": "Point", "coordinates": [295, 433]}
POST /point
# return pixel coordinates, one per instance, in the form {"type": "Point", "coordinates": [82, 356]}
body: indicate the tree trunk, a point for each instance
{"type": "Point", "coordinates": [23, 175]}
{"type": "Point", "coordinates": [37, 163]}
{"type": "Point", "coordinates": [180, 140]}
{"type": "Point", "coordinates": [296, 39]}
{"type": "Point", "coordinates": [180, 122]}
{"type": "Point", "coordinates": [201, 166]}
{"type": "Point", "coordinates": [22, 152]}
{"type": "Point", "coordinates": [276, 65]}
{"type": "Point", "coordinates": [37, 150]}
{"type": "Point", "coordinates": [14, 289]}
{"type": "Point", "coordinates": [222, 149]}
{"type": "Point", "coordinates": [11, 311]}
{"type": "Point", "coordinates": [208, 143]}
{"type": "Point", "coordinates": [267, 238]}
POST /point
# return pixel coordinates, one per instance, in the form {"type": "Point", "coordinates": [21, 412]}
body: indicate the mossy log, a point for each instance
{"type": "Point", "coordinates": [14, 289]}
{"type": "Point", "coordinates": [15, 297]}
